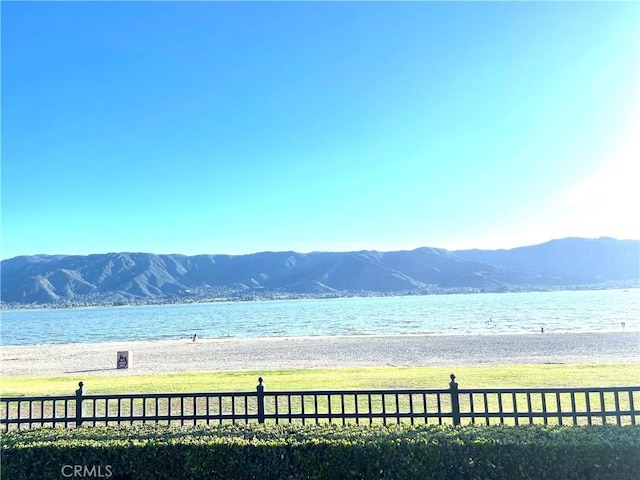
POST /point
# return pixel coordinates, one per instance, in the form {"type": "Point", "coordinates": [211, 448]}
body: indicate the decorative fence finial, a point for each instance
{"type": "Point", "coordinates": [453, 383]}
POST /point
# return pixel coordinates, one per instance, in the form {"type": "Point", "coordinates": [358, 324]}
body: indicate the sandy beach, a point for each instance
{"type": "Point", "coordinates": [264, 354]}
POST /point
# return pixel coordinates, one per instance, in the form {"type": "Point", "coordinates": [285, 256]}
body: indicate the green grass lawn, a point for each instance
{"type": "Point", "coordinates": [539, 375]}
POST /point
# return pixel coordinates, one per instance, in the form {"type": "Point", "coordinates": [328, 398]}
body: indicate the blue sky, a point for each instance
{"type": "Point", "coordinates": [209, 127]}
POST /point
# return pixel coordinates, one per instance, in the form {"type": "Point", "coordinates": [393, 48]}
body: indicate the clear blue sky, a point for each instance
{"type": "Point", "coordinates": [208, 127]}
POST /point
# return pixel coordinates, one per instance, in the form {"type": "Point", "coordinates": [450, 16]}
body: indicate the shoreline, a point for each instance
{"type": "Point", "coordinates": [290, 353]}
{"type": "Point", "coordinates": [276, 338]}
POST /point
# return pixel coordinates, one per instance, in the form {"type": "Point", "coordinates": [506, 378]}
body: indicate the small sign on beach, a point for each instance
{"type": "Point", "coordinates": [123, 360]}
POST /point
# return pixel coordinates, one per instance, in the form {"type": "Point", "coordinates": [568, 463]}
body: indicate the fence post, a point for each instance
{"type": "Point", "coordinates": [79, 405]}
{"type": "Point", "coordinates": [455, 401]}
{"type": "Point", "coordinates": [260, 397]}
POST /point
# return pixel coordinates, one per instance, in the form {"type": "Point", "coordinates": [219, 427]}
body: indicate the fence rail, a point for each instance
{"type": "Point", "coordinates": [562, 406]}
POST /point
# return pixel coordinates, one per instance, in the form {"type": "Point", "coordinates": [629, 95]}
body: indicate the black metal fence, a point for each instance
{"type": "Point", "coordinates": [454, 406]}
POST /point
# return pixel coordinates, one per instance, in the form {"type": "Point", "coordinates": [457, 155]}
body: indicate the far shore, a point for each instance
{"type": "Point", "coordinates": [279, 353]}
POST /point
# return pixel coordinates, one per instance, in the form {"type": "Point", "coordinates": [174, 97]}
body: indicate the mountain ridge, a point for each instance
{"type": "Point", "coordinates": [136, 277]}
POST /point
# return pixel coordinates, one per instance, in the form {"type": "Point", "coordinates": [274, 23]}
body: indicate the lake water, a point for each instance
{"type": "Point", "coordinates": [483, 313]}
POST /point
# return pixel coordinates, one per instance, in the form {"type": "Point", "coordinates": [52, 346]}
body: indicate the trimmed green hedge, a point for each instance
{"type": "Point", "coordinates": [323, 452]}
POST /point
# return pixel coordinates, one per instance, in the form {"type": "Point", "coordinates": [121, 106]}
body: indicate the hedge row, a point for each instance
{"type": "Point", "coordinates": [323, 452]}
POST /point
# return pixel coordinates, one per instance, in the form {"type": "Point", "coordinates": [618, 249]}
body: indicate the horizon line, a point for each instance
{"type": "Point", "coordinates": [315, 251]}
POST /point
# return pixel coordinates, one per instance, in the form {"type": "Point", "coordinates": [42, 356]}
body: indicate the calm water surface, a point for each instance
{"type": "Point", "coordinates": [574, 311]}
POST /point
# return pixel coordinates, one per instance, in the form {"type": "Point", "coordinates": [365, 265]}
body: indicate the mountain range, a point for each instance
{"type": "Point", "coordinates": [121, 278]}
